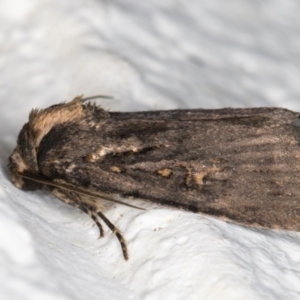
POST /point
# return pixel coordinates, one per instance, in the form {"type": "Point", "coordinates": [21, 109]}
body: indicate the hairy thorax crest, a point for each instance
{"type": "Point", "coordinates": [23, 159]}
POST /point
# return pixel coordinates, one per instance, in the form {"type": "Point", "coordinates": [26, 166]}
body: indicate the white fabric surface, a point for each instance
{"type": "Point", "coordinates": [149, 55]}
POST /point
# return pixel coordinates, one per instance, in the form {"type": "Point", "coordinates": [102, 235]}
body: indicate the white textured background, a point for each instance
{"type": "Point", "coordinates": [149, 55]}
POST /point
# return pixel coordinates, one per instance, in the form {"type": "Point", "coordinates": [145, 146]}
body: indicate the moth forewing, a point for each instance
{"type": "Point", "coordinates": [240, 165]}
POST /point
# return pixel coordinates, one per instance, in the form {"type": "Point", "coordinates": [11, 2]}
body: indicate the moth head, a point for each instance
{"type": "Point", "coordinates": [23, 160]}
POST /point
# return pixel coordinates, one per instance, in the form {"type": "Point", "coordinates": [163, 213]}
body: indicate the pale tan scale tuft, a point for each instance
{"type": "Point", "coordinates": [164, 172]}
{"type": "Point", "coordinates": [70, 168]}
{"type": "Point", "coordinates": [127, 146]}
{"type": "Point", "coordinates": [42, 121]}
{"type": "Point", "coordinates": [115, 169]}
{"type": "Point", "coordinates": [19, 161]}
{"type": "Point", "coordinates": [198, 177]}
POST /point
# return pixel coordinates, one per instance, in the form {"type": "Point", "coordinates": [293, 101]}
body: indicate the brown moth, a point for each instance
{"type": "Point", "coordinates": [240, 165]}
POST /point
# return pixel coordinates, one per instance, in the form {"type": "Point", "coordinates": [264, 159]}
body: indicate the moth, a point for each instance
{"type": "Point", "coordinates": [240, 165]}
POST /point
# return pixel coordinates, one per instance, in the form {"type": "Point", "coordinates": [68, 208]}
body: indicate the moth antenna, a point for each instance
{"type": "Point", "coordinates": [76, 190]}
{"type": "Point", "coordinates": [117, 232]}
{"type": "Point", "coordinates": [95, 219]}
{"type": "Point", "coordinates": [96, 97]}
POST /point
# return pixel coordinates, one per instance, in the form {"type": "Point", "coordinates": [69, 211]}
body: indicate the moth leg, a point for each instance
{"type": "Point", "coordinates": [75, 200]}
{"type": "Point", "coordinates": [117, 232]}
{"type": "Point", "coordinates": [95, 219]}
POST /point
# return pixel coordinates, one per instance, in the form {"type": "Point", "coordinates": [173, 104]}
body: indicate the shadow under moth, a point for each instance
{"type": "Point", "coordinates": [240, 165]}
